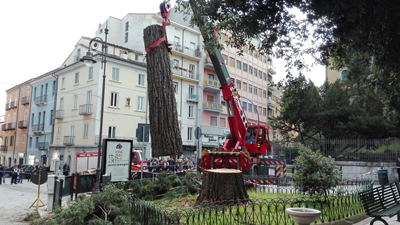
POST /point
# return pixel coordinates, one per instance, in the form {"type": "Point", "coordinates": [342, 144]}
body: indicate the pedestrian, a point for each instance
{"type": "Point", "coordinates": [30, 171]}
{"type": "Point", "coordinates": [171, 165]}
{"type": "Point", "coordinates": [20, 176]}
{"type": "Point", "coordinates": [3, 170]}
{"type": "Point", "coordinates": [398, 167]}
{"type": "Point", "coordinates": [165, 165]}
{"type": "Point", "coordinates": [180, 162]}
{"type": "Point", "coordinates": [194, 160]}
{"type": "Point", "coordinates": [190, 163]}
{"type": "Point", "coordinates": [66, 169]}
{"type": "Point", "coordinates": [155, 164]}
{"type": "Point", "coordinates": [14, 174]}
{"type": "Point", "coordinates": [38, 166]}
{"type": "Point", "coordinates": [150, 165]}
{"type": "Point", "coordinates": [1, 173]}
{"type": "Point", "coordinates": [185, 163]}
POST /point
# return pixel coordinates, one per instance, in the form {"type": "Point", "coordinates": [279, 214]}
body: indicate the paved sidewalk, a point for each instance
{"type": "Point", "coordinates": [392, 220]}
{"type": "Point", "coordinates": [15, 200]}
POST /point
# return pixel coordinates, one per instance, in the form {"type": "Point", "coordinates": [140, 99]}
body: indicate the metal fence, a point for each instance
{"type": "Point", "coordinates": [368, 150]}
{"type": "Point", "coordinates": [257, 211]}
{"type": "Point", "coordinates": [341, 203]}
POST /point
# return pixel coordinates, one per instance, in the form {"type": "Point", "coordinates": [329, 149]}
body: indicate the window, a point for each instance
{"type": "Point", "coordinates": [11, 140]}
{"type": "Point", "coordinates": [140, 103]}
{"type": "Point", "coordinates": [30, 142]}
{"type": "Point", "coordinates": [175, 63]}
{"type": "Point", "coordinates": [189, 134]}
{"type": "Point", "coordinates": [191, 70]}
{"type": "Point", "coordinates": [259, 92]}
{"type": "Point", "coordinates": [244, 86]}
{"type": "Point", "coordinates": [264, 76]}
{"type": "Point", "coordinates": [250, 70]}
{"type": "Point", "coordinates": [244, 67]}
{"type": "Point", "coordinates": [112, 130]}
{"type": "Point", "coordinates": [342, 75]}
{"type": "Point", "coordinates": [63, 82]}
{"type": "Point", "coordinates": [238, 85]}
{"type": "Point", "coordinates": [176, 87]}
{"type": "Point", "coordinates": [136, 57]}
{"type": "Point", "coordinates": [176, 42]}
{"type": "Point", "coordinates": [58, 132]}
{"type": "Point", "coordinates": [210, 98]}
{"type": "Point", "coordinates": [86, 131]}
{"type": "Point", "coordinates": [222, 122]}
{"type": "Point", "coordinates": [250, 107]}
{"type": "Point", "coordinates": [264, 112]}
{"type": "Point", "coordinates": [255, 72]}
{"type": "Point", "coordinates": [141, 80]}
{"type": "Point", "coordinates": [238, 64]}
{"type": "Point", "coordinates": [232, 61]}
{"type": "Point", "coordinates": [250, 88]}
{"type": "Point", "coordinates": [244, 104]}
{"type": "Point", "coordinates": [191, 112]}
{"type": "Point", "coordinates": [115, 74]}
{"type": "Point", "coordinates": [255, 90]}
{"type": "Point", "coordinates": [51, 117]}
{"type": "Point", "coordinates": [126, 26]}
{"type": "Point", "coordinates": [54, 89]}
{"type": "Point", "coordinates": [32, 118]}
{"type": "Point", "coordinates": [114, 99]}
{"type": "Point", "coordinates": [213, 121]}
{"type": "Point", "coordinates": [75, 106]}
{"type": "Point", "coordinates": [191, 92]}
{"type": "Point", "coordinates": [126, 37]}
{"type": "Point", "coordinates": [90, 76]}
{"type": "Point", "coordinates": [210, 76]}
{"type": "Point", "coordinates": [128, 101]}
{"type": "Point", "coordinates": [76, 78]}
{"type": "Point", "coordinates": [264, 94]}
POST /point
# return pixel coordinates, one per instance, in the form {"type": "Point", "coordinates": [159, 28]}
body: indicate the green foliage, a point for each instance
{"type": "Point", "coordinates": [315, 174]}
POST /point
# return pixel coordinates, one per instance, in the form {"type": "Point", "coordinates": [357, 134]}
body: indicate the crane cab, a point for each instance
{"type": "Point", "coordinates": [257, 140]}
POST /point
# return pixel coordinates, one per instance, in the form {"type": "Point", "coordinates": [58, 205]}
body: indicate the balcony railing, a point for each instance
{"type": "Point", "coordinates": [271, 102]}
{"type": "Point", "coordinates": [59, 114]}
{"type": "Point", "coordinates": [85, 109]}
{"type": "Point", "coordinates": [178, 71]}
{"type": "Point", "coordinates": [10, 126]}
{"type": "Point", "coordinates": [25, 100]}
{"type": "Point", "coordinates": [192, 98]}
{"type": "Point", "coordinates": [3, 148]}
{"type": "Point", "coordinates": [212, 83]}
{"type": "Point", "coordinates": [69, 140]}
{"type": "Point", "coordinates": [212, 106]}
{"type": "Point", "coordinates": [41, 100]}
{"type": "Point", "coordinates": [8, 106]}
{"type": "Point", "coordinates": [38, 129]}
{"type": "Point", "coordinates": [14, 104]}
{"type": "Point", "coordinates": [186, 50]}
{"type": "Point", "coordinates": [96, 140]}
{"type": "Point", "coordinates": [42, 145]}
{"type": "Point", "coordinates": [272, 69]}
{"type": "Point", "coordinates": [4, 127]}
{"type": "Point", "coordinates": [22, 124]}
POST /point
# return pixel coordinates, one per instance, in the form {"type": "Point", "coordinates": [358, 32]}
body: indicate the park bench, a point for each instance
{"type": "Point", "coordinates": [381, 201]}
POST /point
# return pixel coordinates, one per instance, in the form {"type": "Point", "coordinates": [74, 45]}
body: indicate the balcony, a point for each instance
{"type": "Point", "coordinates": [59, 114]}
{"type": "Point", "coordinates": [4, 127]}
{"type": "Point", "coordinates": [208, 63]}
{"type": "Point", "coordinates": [25, 100]}
{"type": "Point", "coordinates": [184, 73]}
{"type": "Point", "coordinates": [3, 148]}
{"type": "Point", "coordinates": [10, 126]}
{"type": "Point", "coordinates": [271, 102]}
{"type": "Point", "coordinates": [85, 109]}
{"type": "Point", "coordinates": [14, 104]}
{"type": "Point", "coordinates": [212, 85]}
{"type": "Point", "coordinates": [182, 50]}
{"type": "Point", "coordinates": [22, 124]}
{"type": "Point", "coordinates": [69, 140]}
{"type": "Point", "coordinates": [41, 100]}
{"type": "Point", "coordinates": [212, 106]}
{"type": "Point", "coordinates": [42, 145]}
{"type": "Point", "coordinates": [96, 140]}
{"type": "Point", "coordinates": [38, 129]}
{"type": "Point", "coordinates": [271, 69]}
{"type": "Point", "coordinates": [191, 98]}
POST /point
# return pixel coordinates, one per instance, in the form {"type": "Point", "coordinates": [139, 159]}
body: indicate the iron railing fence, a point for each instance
{"type": "Point", "coordinates": [368, 150]}
{"type": "Point", "coordinates": [252, 211]}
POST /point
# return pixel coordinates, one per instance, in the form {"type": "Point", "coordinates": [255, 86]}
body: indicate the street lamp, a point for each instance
{"type": "Point", "coordinates": [88, 60]}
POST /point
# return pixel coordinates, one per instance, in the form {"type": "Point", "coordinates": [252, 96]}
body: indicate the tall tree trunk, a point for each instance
{"type": "Point", "coordinates": [222, 185]}
{"type": "Point", "coordinates": [164, 127]}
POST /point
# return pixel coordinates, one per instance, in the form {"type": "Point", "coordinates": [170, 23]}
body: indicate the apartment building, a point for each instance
{"type": "Point", "coordinates": [187, 62]}
{"type": "Point", "coordinates": [332, 75]}
{"type": "Point", "coordinates": [40, 129]}
{"type": "Point", "coordinates": [15, 127]}
{"type": "Point", "coordinates": [3, 150]}
{"type": "Point", "coordinates": [78, 101]}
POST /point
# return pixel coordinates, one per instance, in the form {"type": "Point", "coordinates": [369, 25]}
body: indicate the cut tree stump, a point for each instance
{"type": "Point", "coordinates": [222, 185]}
{"type": "Point", "coordinates": [164, 127]}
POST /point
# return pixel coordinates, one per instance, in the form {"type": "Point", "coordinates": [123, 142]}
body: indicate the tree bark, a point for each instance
{"type": "Point", "coordinates": [164, 127]}
{"type": "Point", "coordinates": [222, 185]}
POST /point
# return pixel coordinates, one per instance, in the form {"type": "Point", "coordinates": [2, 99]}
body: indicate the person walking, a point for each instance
{"type": "Point", "coordinates": [14, 175]}
{"type": "Point", "coordinates": [398, 167]}
{"type": "Point", "coordinates": [66, 169]}
{"type": "Point", "coordinates": [20, 176]}
{"type": "Point", "coordinates": [3, 172]}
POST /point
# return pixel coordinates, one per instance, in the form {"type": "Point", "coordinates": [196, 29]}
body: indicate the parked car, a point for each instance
{"type": "Point", "coordinates": [8, 171]}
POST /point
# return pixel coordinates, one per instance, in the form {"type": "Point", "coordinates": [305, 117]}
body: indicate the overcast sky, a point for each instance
{"type": "Point", "coordinates": [37, 36]}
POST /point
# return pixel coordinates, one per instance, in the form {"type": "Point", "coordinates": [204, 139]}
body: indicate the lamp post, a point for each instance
{"type": "Point", "coordinates": [89, 60]}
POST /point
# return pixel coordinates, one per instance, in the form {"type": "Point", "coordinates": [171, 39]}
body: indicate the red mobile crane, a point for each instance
{"type": "Point", "coordinates": [246, 143]}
